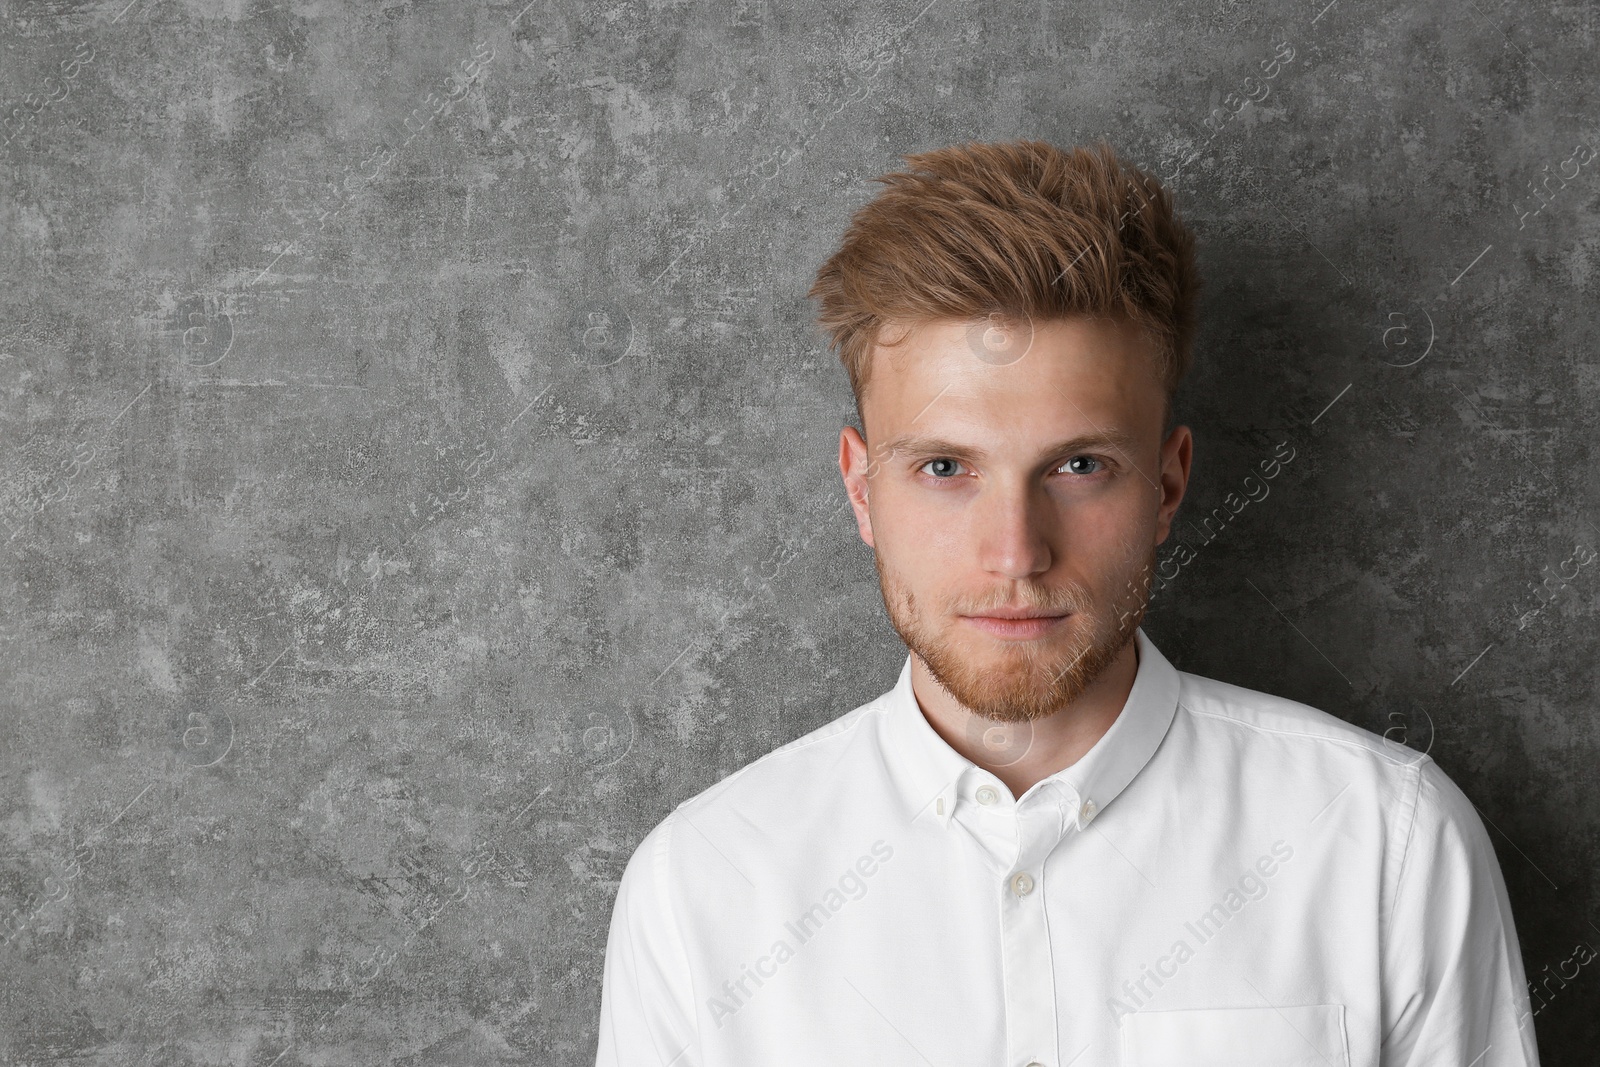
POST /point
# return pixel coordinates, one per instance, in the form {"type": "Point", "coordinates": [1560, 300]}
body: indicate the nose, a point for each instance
{"type": "Point", "coordinates": [1012, 527]}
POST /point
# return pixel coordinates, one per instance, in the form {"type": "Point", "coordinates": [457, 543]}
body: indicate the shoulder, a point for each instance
{"type": "Point", "coordinates": [1271, 750]}
{"type": "Point", "coordinates": [1253, 720]}
{"type": "Point", "coordinates": [1446, 825]}
{"type": "Point", "coordinates": [1284, 761]}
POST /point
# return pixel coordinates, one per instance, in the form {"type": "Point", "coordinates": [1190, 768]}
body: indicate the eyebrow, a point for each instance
{"type": "Point", "coordinates": [915, 445]}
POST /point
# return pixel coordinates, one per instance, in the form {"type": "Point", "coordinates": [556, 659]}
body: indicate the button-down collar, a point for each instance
{"type": "Point", "coordinates": [935, 778]}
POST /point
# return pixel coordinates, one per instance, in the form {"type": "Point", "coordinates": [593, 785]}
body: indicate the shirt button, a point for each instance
{"type": "Point", "coordinates": [1022, 884]}
{"type": "Point", "coordinates": [987, 795]}
{"type": "Point", "coordinates": [1088, 810]}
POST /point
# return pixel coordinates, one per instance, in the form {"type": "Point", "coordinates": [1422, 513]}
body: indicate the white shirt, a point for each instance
{"type": "Point", "coordinates": [1226, 879]}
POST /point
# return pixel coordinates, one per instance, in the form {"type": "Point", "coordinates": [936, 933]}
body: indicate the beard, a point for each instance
{"type": "Point", "coordinates": [1021, 682]}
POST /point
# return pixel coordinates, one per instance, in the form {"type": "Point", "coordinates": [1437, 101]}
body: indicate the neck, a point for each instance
{"type": "Point", "coordinates": [1056, 741]}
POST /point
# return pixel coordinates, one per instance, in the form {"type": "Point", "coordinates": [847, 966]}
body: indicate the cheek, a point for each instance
{"type": "Point", "coordinates": [924, 542]}
{"type": "Point", "coordinates": [1107, 529]}
{"type": "Point", "coordinates": [917, 522]}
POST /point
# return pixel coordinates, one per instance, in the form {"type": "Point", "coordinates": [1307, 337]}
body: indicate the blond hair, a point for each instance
{"type": "Point", "coordinates": [1020, 229]}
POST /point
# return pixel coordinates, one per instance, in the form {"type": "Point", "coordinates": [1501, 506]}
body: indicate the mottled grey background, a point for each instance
{"type": "Point", "coordinates": [417, 470]}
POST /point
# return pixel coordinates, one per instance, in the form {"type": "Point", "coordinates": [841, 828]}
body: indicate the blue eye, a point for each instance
{"type": "Point", "coordinates": [1070, 465]}
{"type": "Point", "coordinates": [942, 468]}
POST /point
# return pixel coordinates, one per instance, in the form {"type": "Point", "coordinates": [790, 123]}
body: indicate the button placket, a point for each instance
{"type": "Point", "coordinates": [1027, 960]}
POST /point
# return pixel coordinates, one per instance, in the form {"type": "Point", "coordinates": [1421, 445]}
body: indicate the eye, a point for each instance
{"type": "Point", "coordinates": [941, 468]}
{"type": "Point", "coordinates": [1078, 464]}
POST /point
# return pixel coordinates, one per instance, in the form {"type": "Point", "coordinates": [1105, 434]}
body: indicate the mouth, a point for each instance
{"type": "Point", "coordinates": [1016, 624]}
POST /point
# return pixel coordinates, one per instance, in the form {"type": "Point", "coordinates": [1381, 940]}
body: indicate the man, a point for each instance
{"type": "Point", "coordinates": [1046, 845]}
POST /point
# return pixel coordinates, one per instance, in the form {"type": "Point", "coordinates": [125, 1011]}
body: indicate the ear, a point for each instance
{"type": "Point", "coordinates": [1176, 453]}
{"type": "Point", "coordinates": [854, 467]}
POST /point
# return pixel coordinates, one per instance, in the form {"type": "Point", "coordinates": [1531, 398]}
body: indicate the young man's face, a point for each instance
{"type": "Point", "coordinates": [1002, 482]}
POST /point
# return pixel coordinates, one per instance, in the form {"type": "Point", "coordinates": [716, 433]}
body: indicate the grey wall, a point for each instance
{"type": "Point", "coordinates": [416, 470]}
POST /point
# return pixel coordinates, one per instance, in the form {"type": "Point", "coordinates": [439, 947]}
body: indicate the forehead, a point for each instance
{"type": "Point", "coordinates": [1011, 379]}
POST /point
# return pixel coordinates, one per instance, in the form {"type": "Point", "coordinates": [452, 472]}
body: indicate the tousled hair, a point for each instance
{"type": "Point", "coordinates": [1019, 229]}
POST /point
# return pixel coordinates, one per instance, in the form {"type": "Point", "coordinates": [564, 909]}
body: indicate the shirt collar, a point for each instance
{"type": "Point", "coordinates": [930, 773]}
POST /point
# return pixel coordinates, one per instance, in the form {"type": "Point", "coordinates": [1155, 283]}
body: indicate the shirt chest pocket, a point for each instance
{"type": "Point", "coordinates": [1306, 1035]}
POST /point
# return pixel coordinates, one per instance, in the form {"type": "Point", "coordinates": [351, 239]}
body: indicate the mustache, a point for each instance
{"type": "Point", "coordinates": [1053, 600]}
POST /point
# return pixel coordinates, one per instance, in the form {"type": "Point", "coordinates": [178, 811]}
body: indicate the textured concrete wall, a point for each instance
{"type": "Point", "coordinates": [416, 460]}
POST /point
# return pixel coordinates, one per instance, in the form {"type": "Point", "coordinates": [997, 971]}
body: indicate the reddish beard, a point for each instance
{"type": "Point", "coordinates": [1033, 679]}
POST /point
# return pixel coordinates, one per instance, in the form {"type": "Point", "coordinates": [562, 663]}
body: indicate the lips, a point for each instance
{"type": "Point", "coordinates": [1016, 624]}
{"type": "Point", "coordinates": [1018, 613]}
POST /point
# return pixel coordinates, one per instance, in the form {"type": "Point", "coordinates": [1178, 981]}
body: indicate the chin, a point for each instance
{"type": "Point", "coordinates": [979, 644]}
{"type": "Point", "coordinates": [1012, 681]}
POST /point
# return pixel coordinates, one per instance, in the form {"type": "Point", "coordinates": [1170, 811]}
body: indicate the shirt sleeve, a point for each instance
{"type": "Point", "coordinates": [647, 1014]}
{"type": "Point", "coordinates": [1454, 990]}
